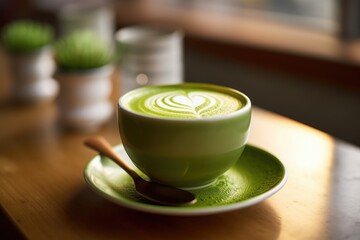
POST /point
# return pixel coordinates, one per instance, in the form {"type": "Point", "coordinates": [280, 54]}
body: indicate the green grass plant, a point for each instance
{"type": "Point", "coordinates": [82, 50]}
{"type": "Point", "coordinates": [23, 36]}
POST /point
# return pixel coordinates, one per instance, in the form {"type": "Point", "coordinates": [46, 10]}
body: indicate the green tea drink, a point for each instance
{"type": "Point", "coordinates": [187, 102]}
{"type": "Point", "coordinates": [185, 135]}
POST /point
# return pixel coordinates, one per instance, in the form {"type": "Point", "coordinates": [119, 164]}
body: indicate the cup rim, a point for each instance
{"type": "Point", "coordinates": [162, 33]}
{"type": "Point", "coordinates": [243, 110]}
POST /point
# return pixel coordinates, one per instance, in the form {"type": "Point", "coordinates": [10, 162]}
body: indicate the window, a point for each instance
{"type": "Point", "coordinates": [325, 15]}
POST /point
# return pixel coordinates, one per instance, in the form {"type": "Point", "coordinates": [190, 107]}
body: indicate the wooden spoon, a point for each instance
{"type": "Point", "coordinates": [155, 192]}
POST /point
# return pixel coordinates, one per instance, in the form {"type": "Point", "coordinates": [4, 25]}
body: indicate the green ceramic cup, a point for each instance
{"type": "Point", "coordinates": [181, 149]}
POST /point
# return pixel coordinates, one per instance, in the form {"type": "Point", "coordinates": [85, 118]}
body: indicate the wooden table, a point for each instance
{"type": "Point", "coordinates": [44, 195]}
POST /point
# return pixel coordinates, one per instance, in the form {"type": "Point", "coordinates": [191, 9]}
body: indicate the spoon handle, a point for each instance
{"type": "Point", "coordinates": [100, 145]}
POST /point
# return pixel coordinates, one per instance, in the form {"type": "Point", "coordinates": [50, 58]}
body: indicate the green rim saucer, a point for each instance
{"type": "Point", "coordinates": [256, 176]}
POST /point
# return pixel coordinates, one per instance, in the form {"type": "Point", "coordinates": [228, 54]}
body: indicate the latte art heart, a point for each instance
{"type": "Point", "coordinates": [190, 101]}
{"type": "Point", "coordinates": [181, 102]}
{"type": "Point", "coordinates": [197, 104]}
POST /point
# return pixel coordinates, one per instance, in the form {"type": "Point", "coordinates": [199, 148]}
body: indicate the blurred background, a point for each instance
{"type": "Point", "coordinates": [298, 58]}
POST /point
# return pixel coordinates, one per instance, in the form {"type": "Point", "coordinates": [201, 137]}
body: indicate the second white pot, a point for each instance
{"type": "Point", "coordinates": [83, 101]}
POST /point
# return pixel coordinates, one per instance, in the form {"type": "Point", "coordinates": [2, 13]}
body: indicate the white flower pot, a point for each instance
{"type": "Point", "coordinates": [32, 76]}
{"type": "Point", "coordinates": [83, 100]}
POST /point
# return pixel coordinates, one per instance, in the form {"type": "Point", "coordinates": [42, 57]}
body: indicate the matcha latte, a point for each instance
{"type": "Point", "coordinates": [185, 101]}
{"type": "Point", "coordinates": [184, 135]}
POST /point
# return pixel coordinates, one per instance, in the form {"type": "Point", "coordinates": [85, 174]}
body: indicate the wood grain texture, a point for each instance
{"type": "Point", "coordinates": [43, 192]}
